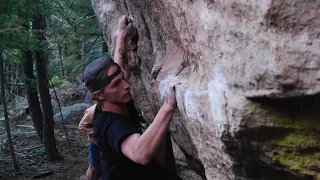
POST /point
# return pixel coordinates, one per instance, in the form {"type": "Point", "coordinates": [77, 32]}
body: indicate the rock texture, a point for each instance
{"type": "Point", "coordinates": [66, 112]}
{"type": "Point", "coordinates": [250, 109]}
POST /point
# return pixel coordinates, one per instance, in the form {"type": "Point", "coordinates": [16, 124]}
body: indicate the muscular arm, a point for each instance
{"type": "Point", "coordinates": [120, 54]}
{"type": "Point", "coordinates": [126, 30]}
{"type": "Point", "coordinates": [143, 148]}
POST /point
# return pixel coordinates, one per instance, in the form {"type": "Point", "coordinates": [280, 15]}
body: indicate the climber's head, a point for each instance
{"type": "Point", "coordinates": [106, 81]}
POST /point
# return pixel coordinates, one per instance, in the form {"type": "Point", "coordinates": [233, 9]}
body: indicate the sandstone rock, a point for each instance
{"type": "Point", "coordinates": [249, 109]}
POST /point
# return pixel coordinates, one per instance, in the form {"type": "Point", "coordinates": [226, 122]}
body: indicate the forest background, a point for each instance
{"type": "Point", "coordinates": [44, 47]}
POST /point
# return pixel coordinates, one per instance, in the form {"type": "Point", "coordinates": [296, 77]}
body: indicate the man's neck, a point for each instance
{"type": "Point", "coordinates": [115, 108]}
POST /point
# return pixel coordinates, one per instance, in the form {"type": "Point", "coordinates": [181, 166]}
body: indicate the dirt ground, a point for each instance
{"type": "Point", "coordinates": [31, 157]}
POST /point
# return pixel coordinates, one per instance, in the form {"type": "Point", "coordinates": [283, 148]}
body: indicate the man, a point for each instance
{"type": "Point", "coordinates": [126, 152]}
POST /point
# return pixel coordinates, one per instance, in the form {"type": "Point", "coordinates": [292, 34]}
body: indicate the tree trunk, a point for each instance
{"type": "Point", "coordinates": [61, 58]}
{"type": "Point", "coordinates": [13, 79]}
{"type": "Point", "coordinates": [21, 90]}
{"type": "Point", "coordinates": [78, 45]}
{"type": "Point", "coordinates": [104, 47]}
{"type": "Point", "coordinates": [65, 48]}
{"type": "Point", "coordinates": [32, 94]}
{"type": "Point", "coordinates": [18, 76]}
{"type": "Point", "coordinates": [83, 46]}
{"type": "Point", "coordinates": [14, 161]}
{"type": "Point", "coordinates": [9, 78]}
{"type": "Point", "coordinates": [43, 83]}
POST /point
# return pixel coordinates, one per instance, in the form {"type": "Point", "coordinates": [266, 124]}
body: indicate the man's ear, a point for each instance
{"type": "Point", "coordinates": [98, 95]}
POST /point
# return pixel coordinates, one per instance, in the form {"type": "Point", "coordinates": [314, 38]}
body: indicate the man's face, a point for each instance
{"type": "Point", "coordinates": [118, 90]}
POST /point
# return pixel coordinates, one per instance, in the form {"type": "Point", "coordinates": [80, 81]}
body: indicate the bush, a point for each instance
{"type": "Point", "coordinates": [59, 83]}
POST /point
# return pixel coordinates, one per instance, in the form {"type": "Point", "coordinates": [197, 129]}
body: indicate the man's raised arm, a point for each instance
{"type": "Point", "coordinates": [125, 31]}
{"type": "Point", "coordinates": [144, 148]}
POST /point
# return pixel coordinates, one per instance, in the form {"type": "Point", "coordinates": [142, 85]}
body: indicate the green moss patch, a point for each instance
{"type": "Point", "coordinates": [298, 121]}
{"type": "Point", "coordinates": [298, 150]}
{"type": "Point", "coordinates": [306, 164]}
{"type": "Point", "coordinates": [296, 141]}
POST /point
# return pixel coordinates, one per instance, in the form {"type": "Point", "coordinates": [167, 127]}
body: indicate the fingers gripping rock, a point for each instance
{"type": "Point", "coordinates": [126, 27]}
{"type": "Point", "coordinates": [167, 90]}
{"type": "Point", "coordinates": [163, 89]}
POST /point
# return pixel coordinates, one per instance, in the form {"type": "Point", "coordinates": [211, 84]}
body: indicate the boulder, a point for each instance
{"type": "Point", "coordinates": [67, 111]}
{"type": "Point", "coordinates": [249, 109]}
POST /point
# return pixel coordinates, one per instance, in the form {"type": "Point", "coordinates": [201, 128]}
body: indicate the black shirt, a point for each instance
{"type": "Point", "coordinates": [110, 129]}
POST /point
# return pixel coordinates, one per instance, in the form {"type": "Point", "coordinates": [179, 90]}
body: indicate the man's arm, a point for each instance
{"type": "Point", "coordinates": [120, 55]}
{"type": "Point", "coordinates": [143, 148]}
{"type": "Point", "coordinates": [152, 143]}
{"type": "Point", "coordinates": [159, 128]}
{"type": "Point", "coordinates": [85, 124]}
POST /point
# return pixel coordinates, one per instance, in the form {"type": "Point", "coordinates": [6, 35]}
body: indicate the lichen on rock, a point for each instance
{"type": "Point", "coordinates": [299, 149]}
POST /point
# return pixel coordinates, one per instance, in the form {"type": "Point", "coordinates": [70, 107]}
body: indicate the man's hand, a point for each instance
{"type": "Point", "coordinates": [126, 29]}
{"type": "Point", "coordinates": [171, 94]}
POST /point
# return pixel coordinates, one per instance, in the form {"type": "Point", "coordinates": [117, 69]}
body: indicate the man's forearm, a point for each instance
{"type": "Point", "coordinates": [161, 153]}
{"type": "Point", "coordinates": [151, 140]}
{"type": "Point", "coordinates": [120, 55]}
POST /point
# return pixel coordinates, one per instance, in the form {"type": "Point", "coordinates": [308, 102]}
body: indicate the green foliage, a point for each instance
{"type": "Point", "coordinates": [69, 39]}
{"type": "Point", "coordinates": [59, 83]}
{"type": "Point", "coordinates": [76, 36]}
{"type": "Point", "coordinates": [39, 152]}
{"type": "Point", "coordinates": [15, 17]}
{"type": "Point", "coordinates": [73, 38]}
{"type": "Point", "coordinates": [73, 33]}
{"type": "Point", "coordinates": [74, 66]}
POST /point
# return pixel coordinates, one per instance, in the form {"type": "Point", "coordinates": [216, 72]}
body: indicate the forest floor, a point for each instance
{"type": "Point", "coordinates": [31, 157]}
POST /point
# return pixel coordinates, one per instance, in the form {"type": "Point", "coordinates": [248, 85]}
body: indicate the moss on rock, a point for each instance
{"type": "Point", "coordinates": [299, 122]}
{"type": "Point", "coordinates": [298, 150]}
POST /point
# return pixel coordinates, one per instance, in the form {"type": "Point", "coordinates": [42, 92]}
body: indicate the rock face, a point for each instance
{"type": "Point", "coordinates": [250, 109]}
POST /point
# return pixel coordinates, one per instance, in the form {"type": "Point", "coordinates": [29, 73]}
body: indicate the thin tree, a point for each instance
{"type": "Point", "coordinates": [30, 79]}
{"type": "Point", "coordinates": [32, 94]}
{"type": "Point", "coordinates": [39, 25]}
{"type": "Point", "coordinates": [4, 103]}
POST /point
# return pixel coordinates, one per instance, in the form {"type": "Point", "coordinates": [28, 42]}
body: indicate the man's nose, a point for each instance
{"type": "Point", "coordinates": [126, 85]}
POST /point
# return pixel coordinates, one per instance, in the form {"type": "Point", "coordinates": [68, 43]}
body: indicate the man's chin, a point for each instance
{"type": "Point", "coordinates": [124, 101]}
{"type": "Point", "coordinates": [128, 98]}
